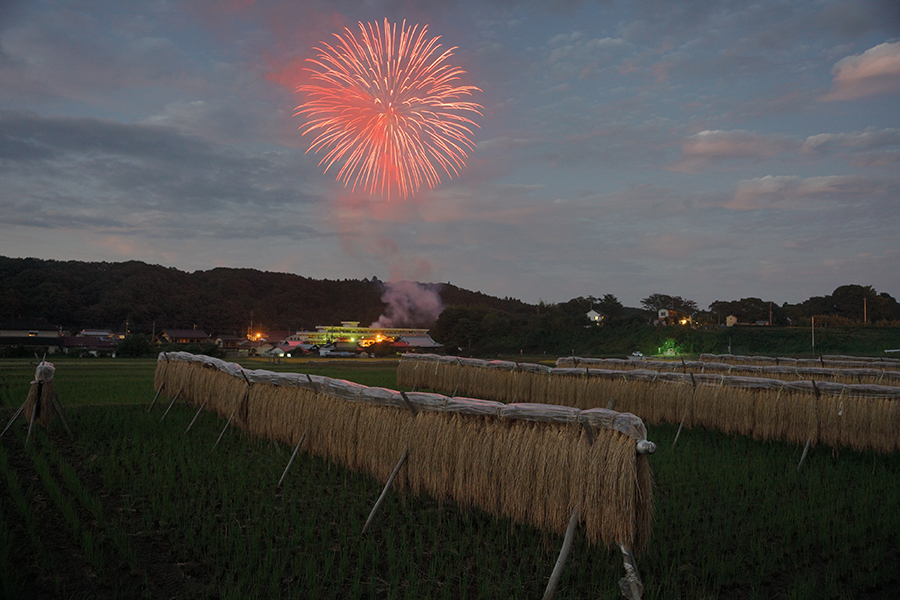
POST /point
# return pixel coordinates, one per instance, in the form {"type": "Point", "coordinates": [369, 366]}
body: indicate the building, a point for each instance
{"type": "Point", "coordinates": [349, 332]}
{"type": "Point", "coordinates": [183, 336]}
{"type": "Point", "coordinates": [671, 316]}
{"type": "Point", "coordinates": [595, 317]}
{"type": "Point", "coordinates": [36, 334]}
{"type": "Point", "coordinates": [89, 344]}
{"type": "Point", "coordinates": [229, 342]}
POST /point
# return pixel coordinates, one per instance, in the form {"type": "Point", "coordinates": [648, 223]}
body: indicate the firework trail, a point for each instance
{"type": "Point", "coordinates": [387, 110]}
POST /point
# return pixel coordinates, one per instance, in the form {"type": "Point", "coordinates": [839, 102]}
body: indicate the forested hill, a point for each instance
{"type": "Point", "coordinates": [76, 295]}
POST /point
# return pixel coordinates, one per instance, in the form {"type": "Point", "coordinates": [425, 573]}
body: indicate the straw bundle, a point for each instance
{"type": "Point", "coordinates": [762, 407]}
{"type": "Point", "coordinates": [532, 463]}
{"type": "Point", "coordinates": [41, 395]}
{"type": "Point", "coordinates": [886, 374]}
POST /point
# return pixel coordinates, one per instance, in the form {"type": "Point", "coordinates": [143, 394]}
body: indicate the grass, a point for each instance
{"type": "Point", "coordinates": [733, 516]}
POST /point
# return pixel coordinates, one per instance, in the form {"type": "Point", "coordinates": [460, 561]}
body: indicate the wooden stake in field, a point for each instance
{"type": "Point", "coordinates": [171, 404]}
{"type": "Point", "coordinates": [387, 486]}
{"type": "Point", "coordinates": [161, 386]}
{"type": "Point", "coordinates": [41, 402]}
{"type": "Point", "coordinates": [563, 556]}
{"type": "Point", "coordinates": [809, 439]}
{"type": "Point", "coordinates": [293, 456]}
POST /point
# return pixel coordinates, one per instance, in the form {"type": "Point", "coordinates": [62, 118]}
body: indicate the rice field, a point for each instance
{"type": "Point", "coordinates": [137, 507]}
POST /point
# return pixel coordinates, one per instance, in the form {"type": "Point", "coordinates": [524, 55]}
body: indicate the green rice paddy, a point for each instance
{"type": "Point", "coordinates": [139, 508]}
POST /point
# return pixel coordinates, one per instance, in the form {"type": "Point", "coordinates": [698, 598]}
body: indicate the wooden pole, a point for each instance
{"type": "Point", "coordinates": [589, 432]}
{"type": "Point", "coordinates": [161, 386]}
{"type": "Point", "coordinates": [805, 450]}
{"type": "Point", "coordinates": [563, 556]}
{"type": "Point", "coordinates": [384, 492]}
{"type": "Point", "coordinates": [293, 456]}
{"type": "Point", "coordinates": [172, 403]}
{"type": "Point", "coordinates": [680, 425]}
{"type": "Point", "coordinates": [14, 417]}
{"type": "Point", "coordinates": [202, 406]}
{"type": "Point", "coordinates": [684, 416]}
{"type": "Point", "coordinates": [219, 439]}
{"type": "Point", "coordinates": [408, 402]}
{"type": "Point", "coordinates": [809, 439]}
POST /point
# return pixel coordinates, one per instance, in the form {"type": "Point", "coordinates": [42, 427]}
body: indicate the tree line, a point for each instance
{"type": "Point", "coordinates": [145, 298]}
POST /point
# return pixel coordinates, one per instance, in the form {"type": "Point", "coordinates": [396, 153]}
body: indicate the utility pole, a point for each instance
{"type": "Point", "coordinates": [814, 335]}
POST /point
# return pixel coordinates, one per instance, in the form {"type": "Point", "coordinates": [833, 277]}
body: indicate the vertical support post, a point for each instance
{"type": "Point", "coordinates": [37, 401]}
{"type": "Point", "coordinates": [202, 406]}
{"type": "Point", "coordinates": [563, 556]}
{"type": "Point", "coordinates": [293, 456]}
{"type": "Point", "coordinates": [809, 439]}
{"type": "Point", "coordinates": [172, 403]}
{"type": "Point", "coordinates": [631, 585]}
{"type": "Point", "coordinates": [384, 492]}
{"type": "Point", "coordinates": [161, 386]}
{"type": "Point", "coordinates": [684, 416]}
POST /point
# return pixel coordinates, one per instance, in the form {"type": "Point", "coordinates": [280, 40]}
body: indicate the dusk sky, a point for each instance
{"type": "Point", "coordinates": [709, 150]}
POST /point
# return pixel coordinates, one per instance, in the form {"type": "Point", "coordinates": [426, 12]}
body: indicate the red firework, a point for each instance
{"type": "Point", "coordinates": [386, 107]}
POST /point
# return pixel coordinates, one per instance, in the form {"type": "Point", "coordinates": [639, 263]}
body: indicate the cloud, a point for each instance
{"type": "Point", "coordinates": [875, 71]}
{"type": "Point", "coordinates": [98, 174]}
{"type": "Point", "coordinates": [708, 147]}
{"type": "Point", "coordinates": [793, 192]}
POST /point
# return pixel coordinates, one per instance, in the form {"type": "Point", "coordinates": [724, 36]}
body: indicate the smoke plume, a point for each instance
{"type": "Point", "coordinates": [409, 304]}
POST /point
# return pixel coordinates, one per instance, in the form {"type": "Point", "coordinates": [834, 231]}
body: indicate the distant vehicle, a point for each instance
{"type": "Point", "coordinates": [637, 355]}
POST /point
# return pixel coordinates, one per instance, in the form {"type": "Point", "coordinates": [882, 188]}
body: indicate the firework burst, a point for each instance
{"type": "Point", "coordinates": [387, 110]}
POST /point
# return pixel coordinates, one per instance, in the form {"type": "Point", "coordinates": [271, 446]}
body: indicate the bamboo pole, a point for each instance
{"type": "Point", "coordinates": [563, 556]}
{"type": "Point", "coordinates": [293, 456]}
{"type": "Point", "coordinates": [172, 403]}
{"type": "Point", "coordinates": [161, 386]}
{"type": "Point", "coordinates": [202, 406]}
{"type": "Point", "coordinates": [14, 417]}
{"type": "Point", "coordinates": [384, 492]}
{"type": "Point", "coordinates": [227, 423]}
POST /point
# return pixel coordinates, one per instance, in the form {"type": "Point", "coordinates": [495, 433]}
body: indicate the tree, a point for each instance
{"type": "Point", "coordinates": [657, 302]}
{"type": "Point", "coordinates": [610, 306]}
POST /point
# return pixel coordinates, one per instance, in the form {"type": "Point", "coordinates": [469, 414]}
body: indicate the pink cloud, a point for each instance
{"type": "Point", "coordinates": [715, 146]}
{"type": "Point", "coordinates": [875, 71]}
{"type": "Point", "coordinates": [792, 192]}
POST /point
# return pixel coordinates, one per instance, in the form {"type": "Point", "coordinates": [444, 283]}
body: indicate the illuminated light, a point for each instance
{"type": "Point", "coordinates": [386, 109]}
